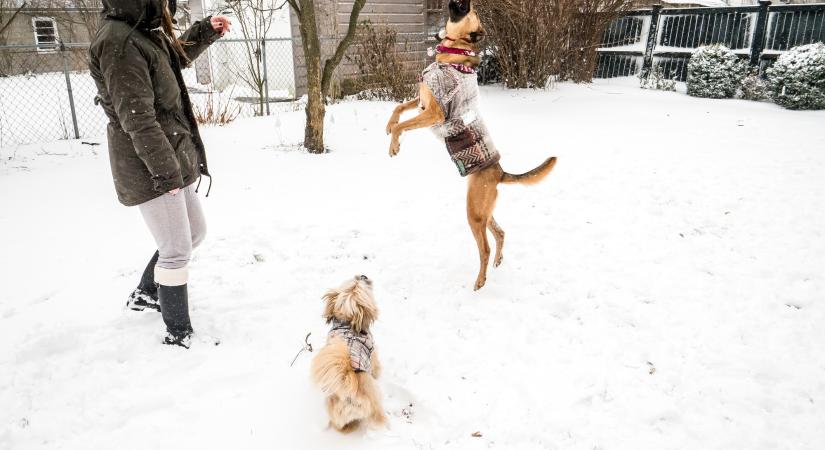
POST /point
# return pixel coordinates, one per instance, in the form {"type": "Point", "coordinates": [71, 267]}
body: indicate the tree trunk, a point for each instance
{"type": "Point", "coordinates": [319, 80]}
{"type": "Point", "coordinates": [315, 110]}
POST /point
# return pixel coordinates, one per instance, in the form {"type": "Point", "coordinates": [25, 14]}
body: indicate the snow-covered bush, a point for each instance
{"type": "Point", "coordinates": [754, 87]}
{"type": "Point", "coordinates": [714, 71]}
{"type": "Point", "coordinates": [656, 80]}
{"type": "Point", "coordinates": [797, 80]}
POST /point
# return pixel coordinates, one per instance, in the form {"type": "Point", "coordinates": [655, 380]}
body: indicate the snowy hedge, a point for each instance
{"type": "Point", "coordinates": [714, 71]}
{"type": "Point", "coordinates": [797, 80]}
{"type": "Point", "coordinates": [754, 87]}
{"type": "Point", "coordinates": [656, 80]}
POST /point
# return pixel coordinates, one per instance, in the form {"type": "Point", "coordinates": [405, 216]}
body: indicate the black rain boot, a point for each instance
{"type": "Point", "coordinates": [146, 294]}
{"type": "Point", "coordinates": [174, 307]}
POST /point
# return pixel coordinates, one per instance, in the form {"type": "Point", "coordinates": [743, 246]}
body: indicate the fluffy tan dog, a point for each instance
{"type": "Point", "coordinates": [347, 366]}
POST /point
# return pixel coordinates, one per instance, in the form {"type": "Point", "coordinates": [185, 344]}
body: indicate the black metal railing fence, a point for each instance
{"type": "Point", "coordinates": [642, 40]}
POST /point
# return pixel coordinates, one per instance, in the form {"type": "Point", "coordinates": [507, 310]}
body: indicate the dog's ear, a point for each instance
{"type": "Point", "coordinates": [459, 9]}
{"type": "Point", "coordinates": [365, 313]}
{"type": "Point", "coordinates": [329, 304]}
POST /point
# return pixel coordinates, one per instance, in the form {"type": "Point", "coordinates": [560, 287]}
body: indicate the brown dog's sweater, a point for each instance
{"type": "Point", "coordinates": [468, 141]}
{"type": "Point", "coordinates": [360, 345]}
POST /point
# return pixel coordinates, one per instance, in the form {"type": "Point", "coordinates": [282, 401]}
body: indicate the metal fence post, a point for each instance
{"type": "Point", "coordinates": [759, 37]}
{"type": "Point", "coordinates": [69, 89]}
{"type": "Point", "coordinates": [266, 77]}
{"type": "Point", "coordinates": [652, 35]}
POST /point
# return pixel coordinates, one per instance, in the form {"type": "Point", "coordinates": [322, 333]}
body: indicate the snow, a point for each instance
{"type": "Point", "coordinates": [662, 289]}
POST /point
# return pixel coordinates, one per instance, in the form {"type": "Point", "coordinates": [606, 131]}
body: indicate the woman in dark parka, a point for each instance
{"type": "Point", "coordinates": [155, 150]}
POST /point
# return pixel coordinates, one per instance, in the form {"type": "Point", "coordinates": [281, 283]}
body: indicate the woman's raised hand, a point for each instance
{"type": "Point", "coordinates": [221, 24]}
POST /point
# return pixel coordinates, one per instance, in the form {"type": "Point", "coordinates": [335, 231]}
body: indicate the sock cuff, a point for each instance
{"type": "Point", "coordinates": [171, 277]}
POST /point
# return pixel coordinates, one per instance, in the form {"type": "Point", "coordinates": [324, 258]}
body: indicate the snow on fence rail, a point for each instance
{"type": "Point", "coordinates": [47, 95]}
{"type": "Point", "coordinates": [666, 37]}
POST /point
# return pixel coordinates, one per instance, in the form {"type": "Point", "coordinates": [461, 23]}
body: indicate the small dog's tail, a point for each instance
{"type": "Point", "coordinates": [531, 177]}
{"type": "Point", "coordinates": [331, 370]}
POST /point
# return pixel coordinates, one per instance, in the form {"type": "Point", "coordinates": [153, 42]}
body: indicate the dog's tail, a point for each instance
{"type": "Point", "coordinates": [533, 176]}
{"type": "Point", "coordinates": [331, 370]}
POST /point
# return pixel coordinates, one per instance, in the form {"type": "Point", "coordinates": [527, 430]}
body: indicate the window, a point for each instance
{"type": "Point", "coordinates": [45, 33]}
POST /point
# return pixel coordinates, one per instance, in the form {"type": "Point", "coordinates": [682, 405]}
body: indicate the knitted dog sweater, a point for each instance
{"type": "Point", "coordinates": [468, 141]}
{"type": "Point", "coordinates": [360, 345]}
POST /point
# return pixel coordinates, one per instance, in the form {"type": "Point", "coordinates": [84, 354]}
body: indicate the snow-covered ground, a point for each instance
{"type": "Point", "coordinates": [662, 289]}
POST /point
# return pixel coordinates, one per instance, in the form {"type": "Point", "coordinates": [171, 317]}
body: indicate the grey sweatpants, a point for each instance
{"type": "Point", "coordinates": [178, 226]}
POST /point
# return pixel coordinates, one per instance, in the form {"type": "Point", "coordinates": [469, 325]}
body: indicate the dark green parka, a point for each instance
{"type": "Point", "coordinates": [154, 144]}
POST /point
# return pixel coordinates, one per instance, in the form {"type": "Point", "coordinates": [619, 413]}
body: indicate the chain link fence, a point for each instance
{"type": "Point", "coordinates": [48, 94]}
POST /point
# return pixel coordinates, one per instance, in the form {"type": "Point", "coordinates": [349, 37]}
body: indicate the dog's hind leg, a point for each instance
{"type": "Point", "coordinates": [478, 227]}
{"type": "Point", "coordinates": [498, 233]}
{"type": "Point", "coordinates": [372, 395]}
{"type": "Point", "coordinates": [481, 199]}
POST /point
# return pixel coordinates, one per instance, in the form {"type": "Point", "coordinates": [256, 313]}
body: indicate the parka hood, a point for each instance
{"type": "Point", "coordinates": [143, 14]}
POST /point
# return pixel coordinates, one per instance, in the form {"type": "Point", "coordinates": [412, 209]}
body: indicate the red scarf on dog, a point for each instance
{"type": "Point", "coordinates": [457, 51]}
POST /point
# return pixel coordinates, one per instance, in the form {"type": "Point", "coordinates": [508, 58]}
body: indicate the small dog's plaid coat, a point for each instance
{"type": "Point", "coordinates": [360, 345]}
{"type": "Point", "coordinates": [468, 141]}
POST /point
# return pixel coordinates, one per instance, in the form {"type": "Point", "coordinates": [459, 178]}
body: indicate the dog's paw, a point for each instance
{"type": "Point", "coordinates": [498, 260]}
{"type": "Point", "coordinates": [390, 125]}
{"type": "Point", "coordinates": [395, 147]}
{"type": "Point", "coordinates": [480, 283]}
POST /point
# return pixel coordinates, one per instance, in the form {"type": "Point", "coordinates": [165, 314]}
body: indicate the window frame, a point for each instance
{"type": "Point", "coordinates": [45, 47]}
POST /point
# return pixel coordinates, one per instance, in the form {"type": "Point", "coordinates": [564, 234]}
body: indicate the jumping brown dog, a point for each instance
{"type": "Point", "coordinates": [447, 99]}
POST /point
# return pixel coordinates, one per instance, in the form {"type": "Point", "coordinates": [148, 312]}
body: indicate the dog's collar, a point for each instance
{"type": "Point", "coordinates": [457, 51]}
{"type": "Point", "coordinates": [454, 51]}
{"type": "Point", "coordinates": [339, 324]}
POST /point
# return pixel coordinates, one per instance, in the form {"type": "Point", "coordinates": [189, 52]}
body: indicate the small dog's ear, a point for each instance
{"type": "Point", "coordinates": [459, 9]}
{"type": "Point", "coordinates": [364, 311]}
{"type": "Point", "coordinates": [367, 313]}
{"type": "Point", "coordinates": [329, 304]}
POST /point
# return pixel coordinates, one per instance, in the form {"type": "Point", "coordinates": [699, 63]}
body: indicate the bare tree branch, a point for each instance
{"type": "Point", "coordinates": [295, 7]}
{"type": "Point", "coordinates": [254, 17]}
{"type": "Point", "coordinates": [332, 63]}
{"type": "Point", "coordinates": [11, 19]}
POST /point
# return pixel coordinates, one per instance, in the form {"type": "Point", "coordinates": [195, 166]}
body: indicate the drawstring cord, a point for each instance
{"type": "Point", "coordinates": [208, 190]}
{"type": "Point", "coordinates": [128, 35]}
